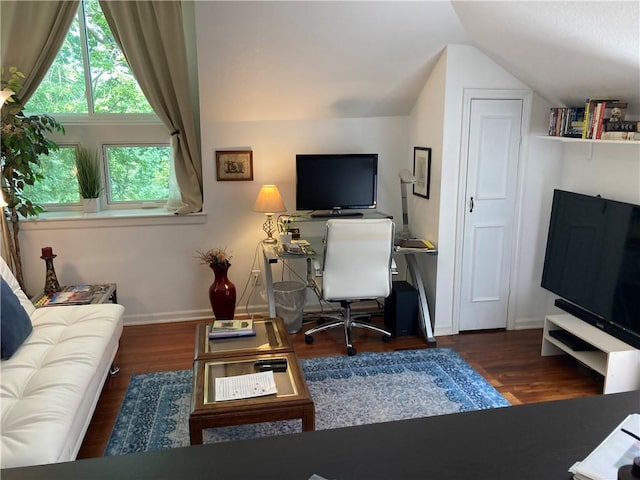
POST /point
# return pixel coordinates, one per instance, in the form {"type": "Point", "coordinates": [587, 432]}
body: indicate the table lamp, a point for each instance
{"type": "Point", "coordinates": [269, 202]}
{"type": "Point", "coordinates": [406, 178]}
{"type": "Point", "coordinates": [4, 95]}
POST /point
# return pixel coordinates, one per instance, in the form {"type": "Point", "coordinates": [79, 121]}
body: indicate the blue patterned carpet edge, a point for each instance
{"type": "Point", "coordinates": [347, 391]}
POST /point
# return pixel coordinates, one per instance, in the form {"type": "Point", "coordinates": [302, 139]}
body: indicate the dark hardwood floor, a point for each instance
{"type": "Point", "coordinates": [509, 360]}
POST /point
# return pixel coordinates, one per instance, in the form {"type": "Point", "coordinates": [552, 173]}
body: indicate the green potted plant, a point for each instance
{"type": "Point", "coordinates": [89, 178]}
{"type": "Point", "coordinates": [24, 140]}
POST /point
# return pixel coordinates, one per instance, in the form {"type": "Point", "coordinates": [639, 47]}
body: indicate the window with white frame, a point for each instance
{"type": "Point", "coordinates": [58, 185]}
{"type": "Point", "coordinates": [137, 172]}
{"type": "Point", "coordinates": [90, 89]}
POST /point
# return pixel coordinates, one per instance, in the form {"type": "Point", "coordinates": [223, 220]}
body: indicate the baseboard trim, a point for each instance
{"type": "Point", "coordinates": [241, 312]}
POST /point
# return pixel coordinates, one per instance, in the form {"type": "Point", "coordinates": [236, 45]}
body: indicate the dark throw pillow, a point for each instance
{"type": "Point", "coordinates": [15, 324]}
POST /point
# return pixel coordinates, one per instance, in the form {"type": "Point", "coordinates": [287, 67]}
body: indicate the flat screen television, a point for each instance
{"type": "Point", "coordinates": [333, 184]}
{"type": "Point", "coordinates": [592, 262]}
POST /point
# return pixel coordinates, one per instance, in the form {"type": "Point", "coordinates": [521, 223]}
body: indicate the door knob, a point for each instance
{"type": "Point", "coordinates": [471, 205]}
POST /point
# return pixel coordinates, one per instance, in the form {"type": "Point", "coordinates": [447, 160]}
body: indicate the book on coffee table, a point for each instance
{"type": "Point", "coordinates": [231, 328]}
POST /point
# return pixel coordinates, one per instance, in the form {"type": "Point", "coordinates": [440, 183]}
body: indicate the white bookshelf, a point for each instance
{"type": "Point", "coordinates": [589, 140]}
{"type": "Point", "coordinates": [616, 360]}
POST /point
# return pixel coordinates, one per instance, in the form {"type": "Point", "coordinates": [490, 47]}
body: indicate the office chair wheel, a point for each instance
{"type": "Point", "coordinates": [351, 351]}
{"type": "Point", "coordinates": [308, 339]}
{"type": "Point", "coordinates": [386, 338]}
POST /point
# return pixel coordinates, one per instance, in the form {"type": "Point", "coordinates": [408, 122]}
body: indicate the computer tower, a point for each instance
{"type": "Point", "coordinates": [401, 310]}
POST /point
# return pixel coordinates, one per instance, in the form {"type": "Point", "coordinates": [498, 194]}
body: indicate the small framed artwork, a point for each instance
{"type": "Point", "coordinates": [422, 171]}
{"type": "Point", "coordinates": [234, 165]}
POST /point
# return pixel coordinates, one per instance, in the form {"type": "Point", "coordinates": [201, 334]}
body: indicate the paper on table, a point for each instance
{"type": "Point", "coordinates": [245, 386]}
{"type": "Point", "coordinates": [618, 449]}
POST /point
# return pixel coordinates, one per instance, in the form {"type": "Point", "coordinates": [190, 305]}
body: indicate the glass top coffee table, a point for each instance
{"type": "Point", "coordinates": [291, 401]}
{"type": "Point", "coordinates": [271, 337]}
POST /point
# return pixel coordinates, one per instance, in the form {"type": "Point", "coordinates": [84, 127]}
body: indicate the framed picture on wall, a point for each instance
{"type": "Point", "coordinates": [234, 165]}
{"type": "Point", "coordinates": [422, 171]}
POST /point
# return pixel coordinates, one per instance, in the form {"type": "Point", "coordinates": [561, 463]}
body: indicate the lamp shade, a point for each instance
{"type": "Point", "coordinates": [406, 176]}
{"type": "Point", "coordinates": [269, 200]}
{"type": "Point", "coordinates": [4, 95]}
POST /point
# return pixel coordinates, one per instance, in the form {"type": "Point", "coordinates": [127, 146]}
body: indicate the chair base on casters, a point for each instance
{"type": "Point", "coordinates": [348, 322]}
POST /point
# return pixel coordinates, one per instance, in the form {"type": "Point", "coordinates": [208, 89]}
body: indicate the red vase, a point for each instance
{"type": "Point", "coordinates": [222, 294]}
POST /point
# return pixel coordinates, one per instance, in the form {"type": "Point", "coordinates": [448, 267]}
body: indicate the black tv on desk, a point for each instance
{"type": "Point", "coordinates": [593, 262]}
{"type": "Point", "coordinates": [336, 184]}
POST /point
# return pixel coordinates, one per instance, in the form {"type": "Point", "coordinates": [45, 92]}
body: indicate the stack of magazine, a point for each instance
{"type": "Point", "coordinates": [71, 295]}
{"type": "Point", "coordinates": [231, 328]}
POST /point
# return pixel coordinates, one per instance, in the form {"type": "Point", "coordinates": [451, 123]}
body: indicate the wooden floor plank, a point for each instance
{"type": "Point", "coordinates": [509, 360]}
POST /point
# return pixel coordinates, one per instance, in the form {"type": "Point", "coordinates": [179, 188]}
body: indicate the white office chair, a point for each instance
{"type": "Point", "coordinates": [356, 266]}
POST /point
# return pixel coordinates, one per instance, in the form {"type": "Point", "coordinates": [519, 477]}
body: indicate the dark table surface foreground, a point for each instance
{"type": "Point", "coordinates": [535, 441]}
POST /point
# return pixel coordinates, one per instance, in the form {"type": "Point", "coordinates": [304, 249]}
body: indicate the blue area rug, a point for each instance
{"type": "Point", "coordinates": [347, 391]}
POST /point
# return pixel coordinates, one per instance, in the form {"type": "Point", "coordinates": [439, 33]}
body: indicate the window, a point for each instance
{"type": "Point", "coordinates": [91, 90]}
{"type": "Point", "coordinates": [138, 173]}
{"type": "Point", "coordinates": [90, 74]}
{"type": "Point", "coordinates": [135, 173]}
{"type": "Point", "coordinates": [59, 185]}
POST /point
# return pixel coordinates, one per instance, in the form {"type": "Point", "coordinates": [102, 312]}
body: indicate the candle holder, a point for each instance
{"type": "Point", "coordinates": [51, 280]}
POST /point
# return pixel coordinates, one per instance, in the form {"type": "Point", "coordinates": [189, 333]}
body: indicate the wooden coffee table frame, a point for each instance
{"type": "Point", "coordinates": [207, 413]}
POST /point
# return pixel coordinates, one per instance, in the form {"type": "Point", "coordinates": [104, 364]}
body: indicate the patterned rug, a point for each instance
{"type": "Point", "coordinates": [366, 388]}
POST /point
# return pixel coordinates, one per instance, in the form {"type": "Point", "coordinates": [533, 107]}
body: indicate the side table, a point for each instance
{"type": "Point", "coordinates": [102, 293]}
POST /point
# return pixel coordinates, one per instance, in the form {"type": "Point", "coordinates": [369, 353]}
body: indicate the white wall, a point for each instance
{"type": "Point", "coordinates": [426, 130]}
{"type": "Point", "coordinates": [459, 69]}
{"type": "Point", "coordinates": [540, 171]}
{"type": "Point", "coordinates": [610, 170]}
{"type": "Point", "coordinates": [153, 262]}
{"type": "Point", "coordinates": [154, 266]}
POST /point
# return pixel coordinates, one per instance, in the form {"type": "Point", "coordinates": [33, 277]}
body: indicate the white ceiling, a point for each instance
{"type": "Point", "coordinates": [271, 60]}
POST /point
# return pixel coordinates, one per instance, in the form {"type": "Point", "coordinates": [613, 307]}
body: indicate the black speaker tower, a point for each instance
{"type": "Point", "coordinates": [401, 310]}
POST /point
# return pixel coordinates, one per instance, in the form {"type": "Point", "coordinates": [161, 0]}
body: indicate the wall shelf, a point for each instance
{"type": "Point", "coordinates": [589, 140]}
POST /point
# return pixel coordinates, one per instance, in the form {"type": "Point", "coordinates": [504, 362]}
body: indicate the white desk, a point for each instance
{"type": "Point", "coordinates": [271, 257]}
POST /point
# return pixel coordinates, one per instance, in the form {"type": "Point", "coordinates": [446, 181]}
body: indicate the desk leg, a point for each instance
{"type": "Point", "coordinates": [423, 306]}
{"type": "Point", "coordinates": [271, 302]}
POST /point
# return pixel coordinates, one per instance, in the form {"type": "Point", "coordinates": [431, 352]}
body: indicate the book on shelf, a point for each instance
{"type": "Point", "coordinates": [231, 328]}
{"type": "Point", "coordinates": [566, 122]}
{"type": "Point", "coordinates": [413, 243]}
{"type": "Point", "coordinates": [609, 112]}
{"type": "Point", "coordinates": [627, 136]}
{"type": "Point", "coordinates": [622, 126]}
{"type": "Point", "coordinates": [618, 449]}
{"type": "Point", "coordinates": [595, 109]}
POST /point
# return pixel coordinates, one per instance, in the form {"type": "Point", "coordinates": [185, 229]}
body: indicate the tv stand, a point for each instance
{"type": "Point", "coordinates": [336, 214]}
{"type": "Point", "coordinates": [617, 361]}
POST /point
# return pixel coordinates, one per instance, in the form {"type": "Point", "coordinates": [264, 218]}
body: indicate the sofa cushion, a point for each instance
{"type": "Point", "coordinates": [7, 274]}
{"type": "Point", "coordinates": [15, 324]}
{"type": "Point", "coordinates": [50, 386]}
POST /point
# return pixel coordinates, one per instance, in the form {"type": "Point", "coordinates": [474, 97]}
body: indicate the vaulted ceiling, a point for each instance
{"type": "Point", "coordinates": [302, 59]}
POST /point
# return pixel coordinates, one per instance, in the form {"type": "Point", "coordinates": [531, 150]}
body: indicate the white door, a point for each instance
{"type": "Point", "coordinates": [492, 164]}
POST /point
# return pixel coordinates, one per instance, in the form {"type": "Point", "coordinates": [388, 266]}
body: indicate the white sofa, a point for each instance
{"type": "Point", "coordinates": [50, 386]}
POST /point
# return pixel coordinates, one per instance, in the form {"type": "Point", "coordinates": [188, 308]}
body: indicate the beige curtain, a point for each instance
{"type": "Point", "coordinates": [31, 35]}
{"type": "Point", "coordinates": [151, 36]}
